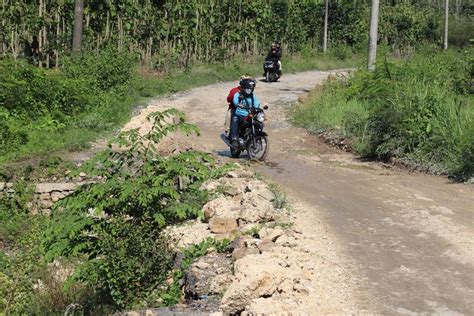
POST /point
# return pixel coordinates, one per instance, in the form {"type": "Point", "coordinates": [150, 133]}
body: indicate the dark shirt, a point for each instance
{"type": "Point", "coordinates": [274, 54]}
{"type": "Point", "coordinates": [34, 46]}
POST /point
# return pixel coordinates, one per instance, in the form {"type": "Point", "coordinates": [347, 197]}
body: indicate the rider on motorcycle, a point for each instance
{"type": "Point", "coordinates": [244, 101]}
{"type": "Point", "coordinates": [274, 55]}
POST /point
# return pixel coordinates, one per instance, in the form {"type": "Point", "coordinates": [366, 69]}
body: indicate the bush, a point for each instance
{"type": "Point", "coordinates": [88, 94]}
{"type": "Point", "coordinates": [419, 111]}
{"type": "Point", "coordinates": [108, 70]}
{"type": "Point", "coordinates": [461, 31]}
{"type": "Point", "coordinates": [113, 227]}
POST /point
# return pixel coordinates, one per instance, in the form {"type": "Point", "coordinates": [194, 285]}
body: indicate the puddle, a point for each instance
{"type": "Point", "coordinates": [275, 166]}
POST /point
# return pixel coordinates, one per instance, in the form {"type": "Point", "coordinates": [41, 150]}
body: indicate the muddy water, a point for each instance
{"type": "Point", "coordinates": [392, 242]}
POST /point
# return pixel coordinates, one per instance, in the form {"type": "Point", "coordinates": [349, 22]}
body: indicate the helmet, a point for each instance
{"type": "Point", "coordinates": [247, 85]}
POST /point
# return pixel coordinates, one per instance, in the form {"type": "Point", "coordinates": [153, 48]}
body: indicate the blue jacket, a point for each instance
{"type": "Point", "coordinates": [241, 105]}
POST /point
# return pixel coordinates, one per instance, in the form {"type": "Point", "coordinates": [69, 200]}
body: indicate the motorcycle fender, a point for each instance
{"type": "Point", "coordinates": [262, 133]}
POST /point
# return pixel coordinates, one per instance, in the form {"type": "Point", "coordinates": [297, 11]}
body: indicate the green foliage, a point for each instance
{"type": "Point", "coordinates": [14, 216]}
{"type": "Point", "coordinates": [418, 111]}
{"type": "Point", "coordinates": [104, 111]}
{"type": "Point", "coordinates": [280, 201]}
{"type": "Point", "coordinates": [114, 226]}
{"type": "Point", "coordinates": [253, 232]}
{"type": "Point", "coordinates": [38, 106]}
{"type": "Point", "coordinates": [166, 34]}
{"type": "Point", "coordinates": [111, 70]}
{"type": "Point", "coordinates": [20, 254]}
{"type": "Point", "coordinates": [406, 26]}
{"type": "Point", "coordinates": [461, 31]}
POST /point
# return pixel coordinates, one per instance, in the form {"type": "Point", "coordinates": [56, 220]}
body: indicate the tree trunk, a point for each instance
{"type": "Point", "coordinates": [77, 35]}
{"type": "Point", "coordinates": [4, 44]}
{"type": "Point", "coordinates": [325, 40]}
{"type": "Point", "coordinates": [374, 21]}
{"type": "Point", "coordinates": [446, 17]}
{"type": "Point", "coordinates": [457, 9]}
{"type": "Point", "coordinates": [58, 21]}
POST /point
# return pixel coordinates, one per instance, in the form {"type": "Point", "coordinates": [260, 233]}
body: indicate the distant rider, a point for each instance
{"type": "Point", "coordinates": [244, 101]}
{"type": "Point", "coordinates": [275, 55]}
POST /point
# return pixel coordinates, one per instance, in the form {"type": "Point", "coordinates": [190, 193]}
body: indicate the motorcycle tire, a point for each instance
{"type": "Point", "coordinates": [267, 76]}
{"type": "Point", "coordinates": [259, 156]}
{"type": "Point", "coordinates": [273, 77]}
{"type": "Point", "coordinates": [234, 153]}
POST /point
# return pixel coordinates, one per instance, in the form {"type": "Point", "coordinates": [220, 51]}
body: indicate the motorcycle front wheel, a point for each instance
{"type": "Point", "coordinates": [274, 77]}
{"type": "Point", "coordinates": [267, 76]}
{"type": "Point", "coordinates": [259, 149]}
{"type": "Point", "coordinates": [234, 153]}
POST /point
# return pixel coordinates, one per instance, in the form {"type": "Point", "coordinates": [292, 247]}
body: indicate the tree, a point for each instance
{"type": "Point", "coordinates": [77, 35]}
{"type": "Point", "coordinates": [446, 17]}
{"type": "Point", "coordinates": [374, 21]}
{"type": "Point", "coordinates": [325, 41]}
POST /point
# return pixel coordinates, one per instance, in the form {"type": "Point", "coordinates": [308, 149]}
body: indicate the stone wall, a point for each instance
{"type": "Point", "coordinates": [45, 194]}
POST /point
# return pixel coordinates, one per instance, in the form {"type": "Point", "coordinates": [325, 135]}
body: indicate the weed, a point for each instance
{"type": "Point", "coordinates": [253, 232]}
{"type": "Point", "coordinates": [280, 201]}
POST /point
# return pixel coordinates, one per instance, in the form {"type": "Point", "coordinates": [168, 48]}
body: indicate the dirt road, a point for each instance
{"type": "Point", "coordinates": [387, 240]}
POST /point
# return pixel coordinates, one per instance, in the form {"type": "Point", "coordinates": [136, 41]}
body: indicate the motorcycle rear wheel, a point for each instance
{"type": "Point", "coordinates": [260, 151]}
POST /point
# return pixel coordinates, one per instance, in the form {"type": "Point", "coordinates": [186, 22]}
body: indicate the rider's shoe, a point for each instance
{"type": "Point", "coordinates": [235, 143]}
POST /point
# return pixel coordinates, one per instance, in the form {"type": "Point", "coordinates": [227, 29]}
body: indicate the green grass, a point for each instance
{"type": "Point", "coordinates": [419, 112]}
{"type": "Point", "coordinates": [116, 109]}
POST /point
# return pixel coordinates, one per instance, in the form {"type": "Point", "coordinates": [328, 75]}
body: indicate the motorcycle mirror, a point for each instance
{"type": "Point", "coordinates": [265, 107]}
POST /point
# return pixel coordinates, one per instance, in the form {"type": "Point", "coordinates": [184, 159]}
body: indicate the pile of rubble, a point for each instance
{"type": "Point", "coordinates": [267, 269]}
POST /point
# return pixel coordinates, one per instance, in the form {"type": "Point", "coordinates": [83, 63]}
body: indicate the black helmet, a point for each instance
{"type": "Point", "coordinates": [247, 85]}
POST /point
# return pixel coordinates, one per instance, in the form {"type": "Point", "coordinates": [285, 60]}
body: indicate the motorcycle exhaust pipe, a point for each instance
{"type": "Point", "coordinates": [226, 140]}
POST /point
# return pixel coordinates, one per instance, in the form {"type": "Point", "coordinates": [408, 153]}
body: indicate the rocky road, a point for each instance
{"type": "Point", "coordinates": [385, 240]}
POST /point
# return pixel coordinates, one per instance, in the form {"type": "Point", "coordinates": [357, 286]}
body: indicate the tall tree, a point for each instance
{"type": "Point", "coordinates": [77, 35]}
{"type": "Point", "coordinates": [446, 17]}
{"type": "Point", "coordinates": [325, 40]}
{"type": "Point", "coordinates": [373, 33]}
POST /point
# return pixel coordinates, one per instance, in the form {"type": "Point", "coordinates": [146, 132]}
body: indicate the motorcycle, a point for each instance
{"type": "Point", "coordinates": [252, 138]}
{"type": "Point", "coordinates": [272, 71]}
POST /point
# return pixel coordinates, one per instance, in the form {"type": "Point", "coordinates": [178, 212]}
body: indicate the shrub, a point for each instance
{"type": "Point", "coordinates": [419, 111]}
{"type": "Point", "coordinates": [108, 70]}
{"type": "Point", "coordinates": [114, 226]}
{"type": "Point", "coordinates": [461, 31]}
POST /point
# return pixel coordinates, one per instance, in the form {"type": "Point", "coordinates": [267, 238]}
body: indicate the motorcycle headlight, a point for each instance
{"type": "Point", "coordinates": [261, 117]}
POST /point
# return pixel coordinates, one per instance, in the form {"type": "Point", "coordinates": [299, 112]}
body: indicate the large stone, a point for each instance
{"type": "Point", "coordinates": [256, 209]}
{"type": "Point", "coordinates": [240, 173]}
{"type": "Point", "coordinates": [270, 234]}
{"type": "Point", "coordinates": [50, 187]}
{"type": "Point", "coordinates": [209, 275]}
{"type": "Point", "coordinates": [56, 196]}
{"type": "Point", "coordinates": [232, 191]}
{"type": "Point", "coordinates": [210, 185]}
{"type": "Point", "coordinates": [221, 207]}
{"type": "Point", "coordinates": [260, 188]}
{"type": "Point", "coordinates": [244, 246]}
{"type": "Point", "coordinates": [271, 274]}
{"type": "Point", "coordinates": [192, 232]}
{"type": "Point", "coordinates": [46, 204]}
{"type": "Point", "coordinates": [223, 225]}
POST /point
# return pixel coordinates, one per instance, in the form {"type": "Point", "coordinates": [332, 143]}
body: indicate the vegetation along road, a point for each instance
{"type": "Point", "coordinates": [389, 240]}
